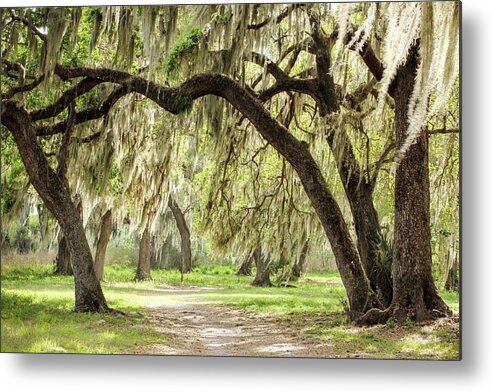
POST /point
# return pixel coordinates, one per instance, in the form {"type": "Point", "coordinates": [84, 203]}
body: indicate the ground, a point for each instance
{"type": "Point", "coordinates": [209, 312]}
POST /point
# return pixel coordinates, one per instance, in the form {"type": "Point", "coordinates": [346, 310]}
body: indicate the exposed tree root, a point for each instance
{"type": "Point", "coordinates": [401, 314]}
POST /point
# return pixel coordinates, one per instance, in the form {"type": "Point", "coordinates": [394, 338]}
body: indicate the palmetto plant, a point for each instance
{"type": "Point", "coordinates": [383, 248]}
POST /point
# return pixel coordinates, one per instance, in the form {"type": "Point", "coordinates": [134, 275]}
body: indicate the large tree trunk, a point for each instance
{"type": "Point", "coordinates": [299, 265]}
{"type": "Point", "coordinates": [63, 260]}
{"type": "Point", "coordinates": [144, 266]}
{"type": "Point", "coordinates": [103, 240]}
{"type": "Point", "coordinates": [246, 267]}
{"type": "Point", "coordinates": [88, 294]}
{"type": "Point", "coordinates": [63, 265]}
{"type": "Point", "coordinates": [186, 245]}
{"type": "Point", "coordinates": [359, 193]}
{"type": "Point", "coordinates": [262, 276]}
{"type": "Point", "coordinates": [415, 295]}
{"type": "Point", "coordinates": [357, 188]}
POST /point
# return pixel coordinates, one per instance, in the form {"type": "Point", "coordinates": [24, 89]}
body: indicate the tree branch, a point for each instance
{"type": "Point", "coordinates": [87, 139]}
{"type": "Point", "coordinates": [442, 131]}
{"type": "Point", "coordinates": [30, 26]}
{"type": "Point", "coordinates": [23, 88]}
{"type": "Point", "coordinates": [283, 15]}
{"type": "Point", "coordinates": [67, 97]}
{"type": "Point", "coordinates": [86, 115]}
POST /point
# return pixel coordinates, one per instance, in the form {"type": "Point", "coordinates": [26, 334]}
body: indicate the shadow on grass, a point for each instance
{"type": "Point", "coordinates": [38, 323]}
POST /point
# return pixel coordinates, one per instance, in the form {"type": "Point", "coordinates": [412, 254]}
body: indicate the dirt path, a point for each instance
{"type": "Point", "coordinates": [201, 328]}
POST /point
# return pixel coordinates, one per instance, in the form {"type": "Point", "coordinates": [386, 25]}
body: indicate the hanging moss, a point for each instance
{"type": "Point", "coordinates": [183, 102]}
{"type": "Point", "coordinates": [185, 46]}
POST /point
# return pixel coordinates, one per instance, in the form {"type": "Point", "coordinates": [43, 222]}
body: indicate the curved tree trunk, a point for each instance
{"type": "Point", "coordinates": [415, 295]}
{"type": "Point", "coordinates": [144, 266]}
{"type": "Point", "coordinates": [299, 265]}
{"type": "Point", "coordinates": [246, 267]}
{"type": "Point", "coordinates": [88, 294]}
{"type": "Point", "coordinates": [262, 276]}
{"type": "Point", "coordinates": [359, 193]}
{"type": "Point", "coordinates": [358, 189]}
{"type": "Point", "coordinates": [104, 238]}
{"type": "Point", "coordinates": [186, 245]}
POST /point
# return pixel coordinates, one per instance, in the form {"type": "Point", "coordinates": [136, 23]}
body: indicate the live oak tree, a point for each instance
{"type": "Point", "coordinates": [300, 51]}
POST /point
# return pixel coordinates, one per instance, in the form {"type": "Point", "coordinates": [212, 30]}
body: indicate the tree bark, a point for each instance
{"type": "Point", "coordinates": [452, 281]}
{"type": "Point", "coordinates": [63, 265]}
{"type": "Point", "coordinates": [144, 266]}
{"type": "Point", "coordinates": [246, 267]}
{"type": "Point", "coordinates": [262, 276]}
{"type": "Point", "coordinates": [88, 294]}
{"type": "Point", "coordinates": [186, 245]}
{"type": "Point", "coordinates": [299, 265]}
{"type": "Point", "coordinates": [63, 260]}
{"type": "Point", "coordinates": [359, 191]}
{"type": "Point", "coordinates": [43, 225]}
{"type": "Point", "coordinates": [415, 295]}
{"type": "Point", "coordinates": [104, 238]}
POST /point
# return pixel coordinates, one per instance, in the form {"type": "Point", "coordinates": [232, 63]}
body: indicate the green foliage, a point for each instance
{"type": "Point", "coordinates": [15, 175]}
{"type": "Point", "coordinates": [185, 46]}
{"type": "Point", "coordinates": [390, 323]}
{"type": "Point", "coordinates": [384, 250]}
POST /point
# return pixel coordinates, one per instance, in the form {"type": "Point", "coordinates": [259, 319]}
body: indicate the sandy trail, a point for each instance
{"type": "Point", "coordinates": [201, 328]}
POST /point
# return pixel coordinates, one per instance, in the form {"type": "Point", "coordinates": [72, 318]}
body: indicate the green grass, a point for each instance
{"type": "Point", "coordinates": [46, 323]}
{"type": "Point", "coordinates": [37, 312]}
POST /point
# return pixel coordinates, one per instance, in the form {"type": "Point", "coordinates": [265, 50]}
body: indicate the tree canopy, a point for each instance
{"type": "Point", "coordinates": [264, 126]}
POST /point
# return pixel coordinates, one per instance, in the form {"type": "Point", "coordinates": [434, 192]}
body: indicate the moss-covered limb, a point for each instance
{"type": "Point", "coordinates": [86, 115]}
{"type": "Point", "coordinates": [278, 19]}
{"type": "Point", "coordinates": [63, 102]}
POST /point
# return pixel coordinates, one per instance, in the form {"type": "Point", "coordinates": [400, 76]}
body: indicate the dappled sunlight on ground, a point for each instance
{"type": "Point", "coordinates": [230, 318]}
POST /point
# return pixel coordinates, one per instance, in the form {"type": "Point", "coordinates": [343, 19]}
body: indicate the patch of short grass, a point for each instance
{"type": "Point", "coordinates": [280, 300]}
{"type": "Point", "coordinates": [202, 275]}
{"type": "Point", "coordinates": [45, 323]}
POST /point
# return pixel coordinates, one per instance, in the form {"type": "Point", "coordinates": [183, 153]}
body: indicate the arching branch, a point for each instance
{"type": "Point", "coordinates": [86, 115]}
{"type": "Point", "coordinates": [29, 25]}
{"type": "Point", "coordinates": [283, 15]}
{"type": "Point", "coordinates": [23, 88]}
{"type": "Point", "coordinates": [63, 102]}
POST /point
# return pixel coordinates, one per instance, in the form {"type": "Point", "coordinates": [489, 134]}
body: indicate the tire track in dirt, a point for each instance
{"type": "Point", "coordinates": [201, 328]}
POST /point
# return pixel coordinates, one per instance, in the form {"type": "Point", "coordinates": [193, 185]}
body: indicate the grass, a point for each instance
{"type": "Point", "coordinates": [44, 323]}
{"type": "Point", "coordinates": [37, 312]}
